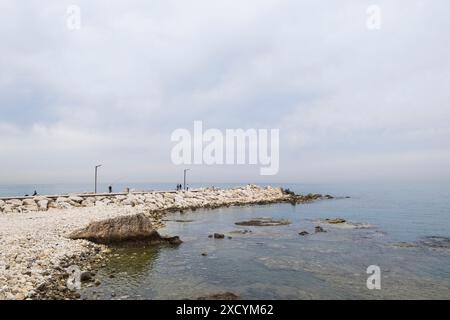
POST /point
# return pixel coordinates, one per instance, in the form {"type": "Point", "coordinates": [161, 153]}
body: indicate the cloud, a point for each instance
{"type": "Point", "coordinates": [114, 90]}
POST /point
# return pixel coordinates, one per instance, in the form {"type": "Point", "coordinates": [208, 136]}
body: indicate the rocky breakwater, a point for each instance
{"type": "Point", "coordinates": [35, 249]}
{"type": "Point", "coordinates": [154, 201]}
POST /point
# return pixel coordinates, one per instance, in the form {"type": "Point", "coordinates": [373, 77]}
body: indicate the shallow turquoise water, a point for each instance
{"type": "Point", "coordinates": [277, 263]}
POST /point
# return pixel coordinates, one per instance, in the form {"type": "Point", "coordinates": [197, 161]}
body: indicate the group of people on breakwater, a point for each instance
{"type": "Point", "coordinates": [180, 187]}
{"type": "Point", "coordinates": [110, 190]}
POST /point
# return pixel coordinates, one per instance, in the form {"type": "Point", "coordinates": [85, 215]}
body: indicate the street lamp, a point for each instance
{"type": "Point", "coordinates": [96, 168]}
{"type": "Point", "coordinates": [185, 170]}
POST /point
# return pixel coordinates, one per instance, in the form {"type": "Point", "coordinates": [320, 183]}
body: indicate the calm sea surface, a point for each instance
{"type": "Point", "coordinates": [408, 240]}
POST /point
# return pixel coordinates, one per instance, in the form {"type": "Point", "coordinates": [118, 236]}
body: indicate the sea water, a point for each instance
{"type": "Point", "coordinates": [403, 224]}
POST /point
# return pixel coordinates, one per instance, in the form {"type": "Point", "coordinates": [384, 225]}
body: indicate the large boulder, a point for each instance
{"type": "Point", "coordinates": [43, 205]}
{"type": "Point", "coordinates": [29, 202]}
{"type": "Point", "coordinates": [128, 229]}
{"type": "Point", "coordinates": [88, 202]}
{"type": "Point", "coordinates": [76, 198]}
{"type": "Point", "coordinates": [30, 207]}
{"type": "Point", "coordinates": [14, 202]}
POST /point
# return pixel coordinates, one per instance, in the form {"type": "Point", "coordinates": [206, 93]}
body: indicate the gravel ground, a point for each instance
{"type": "Point", "coordinates": [34, 246]}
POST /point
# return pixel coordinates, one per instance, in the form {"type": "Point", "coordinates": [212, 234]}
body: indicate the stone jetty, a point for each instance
{"type": "Point", "coordinates": [35, 248]}
{"type": "Point", "coordinates": [156, 200]}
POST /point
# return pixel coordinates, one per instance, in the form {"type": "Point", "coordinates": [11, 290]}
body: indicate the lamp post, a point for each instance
{"type": "Point", "coordinates": [96, 169]}
{"type": "Point", "coordinates": [184, 184]}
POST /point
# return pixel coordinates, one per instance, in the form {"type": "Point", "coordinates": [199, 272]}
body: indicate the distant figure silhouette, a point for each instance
{"type": "Point", "coordinates": [35, 193]}
{"type": "Point", "coordinates": [110, 189]}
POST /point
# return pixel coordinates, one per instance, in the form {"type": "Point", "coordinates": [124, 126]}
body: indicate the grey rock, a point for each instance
{"type": "Point", "coordinates": [135, 228]}
{"type": "Point", "coordinates": [319, 229]}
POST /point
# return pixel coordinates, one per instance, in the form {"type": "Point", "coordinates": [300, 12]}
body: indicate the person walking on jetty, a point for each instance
{"type": "Point", "coordinates": [110, 189]}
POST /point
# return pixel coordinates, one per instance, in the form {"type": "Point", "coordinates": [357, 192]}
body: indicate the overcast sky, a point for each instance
{"type": "Point", "coordinates": [351, 103]}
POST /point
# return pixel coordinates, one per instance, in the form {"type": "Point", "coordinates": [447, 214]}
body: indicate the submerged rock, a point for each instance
{"type": "Point", "coordinates": [335, 221]}
{"type": "Point", "coordinates": [436, 242]}
{"type": "Point", "coordinates": [135, 228]}
{"type": "Point", "coordinates": [219, 236]}
{"type": "Point", "coordinates": [240, 231]}
{"type": "Point", "coordinates": [299, 199]}
{"type": "Point", "coordinates": [263, 222]}
{"type": "Point", "coordinates": [220, 296]}
{"type": "Point", "coordinates": [319, 229]}
{"type": "Point", "coordinates": [404, 245]}
{"type": "Point", "coordinates": [304, 233]}
{"type": "Point", "coordinates": [86, 276]}
{"type": "Point", "coordinates": [178, 220]}
{"type": "Point", "coordinates": [344, 224]}
{"type": "Point", "coordinates": [433, 242]}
